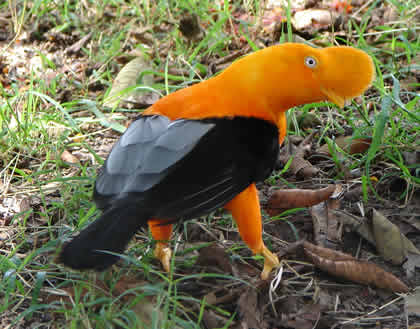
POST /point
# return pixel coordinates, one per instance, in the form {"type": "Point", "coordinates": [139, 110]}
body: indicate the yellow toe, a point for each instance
{"type": "Point", "coordinates": [164, 254]}
{"type": "Point", "coordinates": [270, 261]}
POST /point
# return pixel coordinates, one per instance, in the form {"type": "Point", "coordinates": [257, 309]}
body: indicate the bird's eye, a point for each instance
{"type": "Point", "coordinates": [310, 62]}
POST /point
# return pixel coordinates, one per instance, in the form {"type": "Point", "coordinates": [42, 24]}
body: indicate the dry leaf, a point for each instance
{"type": "Point", "coordinates": [299, 165]}
{"type": "Point", "coordinates": [346, 266]}
{"type": "Point", "coordinates": [66, 156]}
{"type": "Point", "coordinates": [250, 311]}
{"type": "Point", "coordinates": [281, 200]}
{"type": "Point", "coordinates": [326, 228]}
{"type": "Point", "coordinates": [388, 239]}
{"type": "Point", "coordinates": [214, 255]}
{"type": "Point", "coordinates": [213, 320]}
{"type": "Point", "coordinates": [128, 77]}
{"type": "Point", "coordinates": [390, 242]}
{"type": "Point", "coordinates": [349, 144]}
{"type": "Point", "coordinates": [271, 18]}
{"type": "Point", "coordinates": [313, 18]}
{"type": "Point", "coordinates": [357, 224]}
{"type": "Point", "coordinates": [77, 46]}
{"type": "Point", "coordinates": [9, 206]}
{"type": "Point", "coordinates": [306, 318]}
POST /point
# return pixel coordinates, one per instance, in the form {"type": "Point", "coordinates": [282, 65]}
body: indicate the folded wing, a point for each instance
{"type": "Point", "coordinates": [186, 168]}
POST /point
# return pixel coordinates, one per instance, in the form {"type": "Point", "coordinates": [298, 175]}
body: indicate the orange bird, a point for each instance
{"type": "Point", "coordinates": [205, 147]}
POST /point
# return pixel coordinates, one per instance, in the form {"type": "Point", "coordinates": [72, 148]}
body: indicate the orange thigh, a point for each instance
{"type": "Point", "coordinates": [160, 232]}
{"type": "Point", "coordinates": [246, 212]}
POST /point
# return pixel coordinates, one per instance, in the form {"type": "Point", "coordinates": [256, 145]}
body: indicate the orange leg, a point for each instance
{"type": "Point", "coordinates": [245, 209]}
{"type": "Point", "coordinates": [162, 234]}
{"type": "Point", "coordinates": [282, 124]}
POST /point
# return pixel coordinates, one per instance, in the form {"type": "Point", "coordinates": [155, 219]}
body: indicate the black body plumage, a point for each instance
{"type": "Point", "coordinates": [171, 170]}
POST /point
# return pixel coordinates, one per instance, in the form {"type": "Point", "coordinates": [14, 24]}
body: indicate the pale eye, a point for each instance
{"type": "Point", "coordinates": [310, 62]}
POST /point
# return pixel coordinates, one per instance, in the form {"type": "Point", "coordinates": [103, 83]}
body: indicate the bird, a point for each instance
{"type": "Point", "coordinates": [205, 147]}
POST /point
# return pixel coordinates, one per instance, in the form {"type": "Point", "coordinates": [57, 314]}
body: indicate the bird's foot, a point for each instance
{"type": "Point", "coordinates": [164, 254]}
{"type": "Point", "coordinates": [270, 261]}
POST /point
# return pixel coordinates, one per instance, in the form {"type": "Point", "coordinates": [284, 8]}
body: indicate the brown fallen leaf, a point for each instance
{"type": "Point", "coordinates": [128, 77]}
{"type": "Point", "coordinates": [214, 255]}
{"type": "Point", "coordinates": [386, 237]}
{"type": "Point", "coordinates": [271, 18]}
{"type": "Point", "coordinates": [299, 166]}
{"type": "Point", "coordinates": [281, 200]}
{"type": "Point", "coordinates": [349, 144]}
{"type": "Point", "coordinates": [327, 230]}
{"type": "Point", "coordinates": [306, 317]}
{"type": "Point", "coordinates": [390, 14]}
{"type": "Point", "coordinates": [213, 320]}
{"type": "Point", "coordinates": [345, 266]}
{"type": "Point", "coordinates": [77, 46]}
{"type": "Point", "coordinates": [66, 156]}
{"type": "Point", "coordinates": [252, 314]}
{"type": "Point", "coordinates": [221, 296]}
{"type": "Point", "coordinates": [357, 224]}
{"type": "Point", "coordinates": [143, 34]}
{"type": "Point", "coordinates": [390, 242]}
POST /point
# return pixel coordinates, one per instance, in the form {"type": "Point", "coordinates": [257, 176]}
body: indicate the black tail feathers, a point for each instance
{"type": "Point", "coordinates": [110, 233]}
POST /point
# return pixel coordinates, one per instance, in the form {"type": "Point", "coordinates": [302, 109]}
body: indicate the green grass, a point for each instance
{"type": "Point", "coordinates": [36, 127]}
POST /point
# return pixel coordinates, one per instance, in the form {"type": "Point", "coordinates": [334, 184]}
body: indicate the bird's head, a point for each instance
{"type": "Point", "coordinates": [293, 74]}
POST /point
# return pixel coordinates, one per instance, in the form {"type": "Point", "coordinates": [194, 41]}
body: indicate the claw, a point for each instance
{"type": "Point", "coordinates": [270, 261]}
{"type": "Point", "coordinates": [163, 253]}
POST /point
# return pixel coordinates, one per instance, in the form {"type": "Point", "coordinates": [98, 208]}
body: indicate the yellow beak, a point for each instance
{"type": "Point", "coordinates": [334, 97]}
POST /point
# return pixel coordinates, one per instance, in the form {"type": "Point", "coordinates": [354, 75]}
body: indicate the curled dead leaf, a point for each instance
{"type": "Point", "coordinates": [303, 167]}
{"type": "Point", "coordinates": [346, 266]}
{"type": "Point", "coordinates": [300, 166]}
{"type": "Point", "coordinates": [349, 144]}
{"type": "Point", "coordinates": [281, 200]}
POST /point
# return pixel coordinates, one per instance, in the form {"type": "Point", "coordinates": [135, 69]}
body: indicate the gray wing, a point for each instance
{"type": "Point", "coordinates": [145, 152]}
{"type": "Point", "coordinates": [186, 168]}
